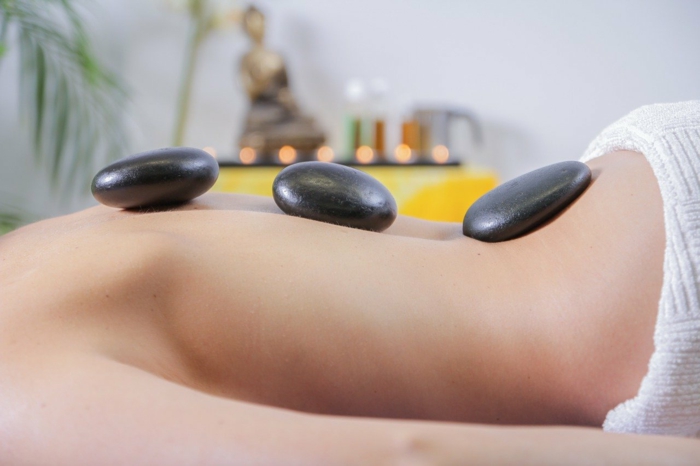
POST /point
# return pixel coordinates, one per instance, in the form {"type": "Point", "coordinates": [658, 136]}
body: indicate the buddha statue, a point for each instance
{"type": "Point", "coordinates": [274, 119]}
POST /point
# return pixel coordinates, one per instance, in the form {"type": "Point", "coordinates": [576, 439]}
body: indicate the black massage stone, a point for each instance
{"type": "Point", "coordinates": [156, 178]}
{"type": "Point", "coordinates": [334, 193]}
{"type": "Point", "coordinates": [524, 203]}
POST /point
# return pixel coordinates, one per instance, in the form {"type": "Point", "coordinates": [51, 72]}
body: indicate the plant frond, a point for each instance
{"type": "Point", "coordinates": [74, 105]}
{"type": "Point", "coordinates": [9, 222]}
{"type": "Point", "coordinates": [11, 217]}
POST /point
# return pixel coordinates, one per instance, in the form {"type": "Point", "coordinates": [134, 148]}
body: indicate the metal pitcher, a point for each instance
{"type": "Point", "coordinates": [435, 141]}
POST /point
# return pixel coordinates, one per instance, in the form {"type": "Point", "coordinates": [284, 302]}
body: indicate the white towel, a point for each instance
{"type": "Point", "coordinates": [668, 401]}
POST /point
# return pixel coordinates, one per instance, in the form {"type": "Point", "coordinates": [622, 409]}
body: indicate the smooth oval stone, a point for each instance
{"type": "Point", "coordinates": [334, 193]}
{"type": "Point", "coordinates": [155, 178]}
{"type": "Point", "coordinates": [524, 203]}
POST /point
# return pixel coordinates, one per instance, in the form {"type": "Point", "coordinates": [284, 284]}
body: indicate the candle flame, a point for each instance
{"type": "Point", "coordinates": [364, 154]}
{"type": "Point", "coordinates": [287, 154]}
{"type": "Point", "coordinates": [210, 150]}
{"type": "Point", "coordinates": [441, 154]}
{"type": "Point", "coordinates": [325, 154]}
{"type": "Point", "coordinates": [247, 155]}
{"type": "Point", "coordinates": [403, 153]}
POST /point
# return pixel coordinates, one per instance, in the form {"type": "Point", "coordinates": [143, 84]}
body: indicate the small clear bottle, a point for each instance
{"type": "Point", "coordinates": [355, 110]}
{"type": "Point", "coordinates": [378, 91]}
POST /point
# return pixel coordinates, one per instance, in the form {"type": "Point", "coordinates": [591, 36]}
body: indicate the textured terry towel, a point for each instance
{"type": "Point", "coordinates": [668, 401]}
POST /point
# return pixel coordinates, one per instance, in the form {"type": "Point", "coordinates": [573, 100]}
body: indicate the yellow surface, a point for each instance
{"type": "Point", "coordinates": [432, 193]}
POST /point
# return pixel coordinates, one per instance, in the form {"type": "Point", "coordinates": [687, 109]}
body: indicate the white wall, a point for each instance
{"type": "Point", "coordinates": [544, 75]}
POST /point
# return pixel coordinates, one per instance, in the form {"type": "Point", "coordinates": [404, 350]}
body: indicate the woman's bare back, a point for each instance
{"type": "Point", "coordinates": [228, 297]}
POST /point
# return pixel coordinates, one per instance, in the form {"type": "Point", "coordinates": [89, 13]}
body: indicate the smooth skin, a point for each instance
{"type": "Point", "coordinates": [224, 332]}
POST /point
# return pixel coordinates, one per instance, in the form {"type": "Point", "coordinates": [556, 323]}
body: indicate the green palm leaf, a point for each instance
{"type": "Point", "coordinates": [74, 106]}
{"type": "Point", "coordinates": [8, 222]}
{"type": "Point", "coordinates": [11, 217]}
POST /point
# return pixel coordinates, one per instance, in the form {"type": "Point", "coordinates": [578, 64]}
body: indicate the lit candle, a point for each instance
{"type": "Point", "coordinates": [325, 154]}
{"type": "Point", "coordinates": [403, 153]}
{"type": "Point", "coordinates": [364, 154]}
{"type": "Point", "coordinates": [247, 155]}
{"type": "Point", "coordinates": [441, 154]}
{"type": "Point", "coordinates": [287, 155]}
{"type": "Point", "coordinates": [210, 150]}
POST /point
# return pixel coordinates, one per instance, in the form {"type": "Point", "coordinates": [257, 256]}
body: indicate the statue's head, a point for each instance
{"type": "Point", "coordinates": [254, 24]}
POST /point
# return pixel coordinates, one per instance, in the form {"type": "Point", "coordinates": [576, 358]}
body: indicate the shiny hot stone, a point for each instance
{"type": "Point", "coordinates": [155, 178]}
{"type": "Point", "coordinates": [334, 193]}
{"type": "Point", "coordinates": [524, 203]}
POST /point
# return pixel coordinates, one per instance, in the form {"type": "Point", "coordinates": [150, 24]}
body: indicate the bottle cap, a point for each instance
{"type": "Point", "coordinates": [355, 90]}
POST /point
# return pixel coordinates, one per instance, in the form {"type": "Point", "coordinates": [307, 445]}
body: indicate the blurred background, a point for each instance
{"type": "Point", "coordinates": [542, 77]}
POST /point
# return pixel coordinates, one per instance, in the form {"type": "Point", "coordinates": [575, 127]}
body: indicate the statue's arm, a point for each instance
{"type": "Point", "coordinates": [285, 93]}
{"type": "Point", "coordinates": [252, 86]}
{"type": "Point", "coordinates": [90, 410]}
